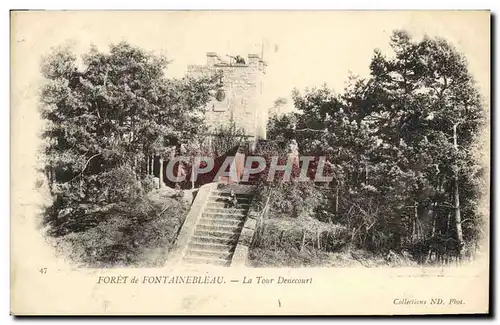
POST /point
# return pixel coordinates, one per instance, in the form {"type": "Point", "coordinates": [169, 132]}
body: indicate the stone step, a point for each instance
{"type": "Point", "coordinates": [204, 260]}
{"type": "Point", "coordinates": [219, 228]}
{"type": "Point", "coordinates": [217, 234]}
{"type": "Point", "coordinates": [216, 198]}
{"type": "Point", "coordinates": [226, 205]}
{"type": "Point", "coordinates": [225, 210]}
{"type": "Point", "coordinates": [223, 255]}
{"type": "Point", "coordinates": [212, 247]}
{"type": "Point", "coordinates": [201, 239]}
{"type": "Point", "coordinates": [219, 194]}
{"type": "Point", "coordinates": [236, 188]}
{"type": "Point", "coordinates": [221, 222]}
{"type": "Point", "coordinates": [249, 182]}
{"type": "Point", "coordinates": [221, 215]}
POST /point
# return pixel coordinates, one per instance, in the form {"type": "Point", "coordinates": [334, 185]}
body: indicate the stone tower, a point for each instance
{"type": "Point", "coordinates": [240, 98]}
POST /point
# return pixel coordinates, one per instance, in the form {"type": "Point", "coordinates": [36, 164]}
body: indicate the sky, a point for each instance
{"type": "Point", "coordinates": [302, 49]}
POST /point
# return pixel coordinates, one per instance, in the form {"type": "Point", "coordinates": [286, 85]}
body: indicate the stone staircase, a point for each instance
{"type": "Point", "coordinates": [219, 227]}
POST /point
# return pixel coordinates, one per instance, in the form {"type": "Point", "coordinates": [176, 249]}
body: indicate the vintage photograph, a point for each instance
{"type": "Point", "coordinates": [253, 139]}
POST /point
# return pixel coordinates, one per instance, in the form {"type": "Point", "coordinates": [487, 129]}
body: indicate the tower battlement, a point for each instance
{"type": "Point", "coordinates": [239, 99]}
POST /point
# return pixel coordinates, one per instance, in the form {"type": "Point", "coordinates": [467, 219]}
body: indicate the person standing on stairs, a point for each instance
{"type": "Point", "coordinates": [233, 201]}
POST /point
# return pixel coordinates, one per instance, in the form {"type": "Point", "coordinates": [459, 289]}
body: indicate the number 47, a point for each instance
{"type": "Point", "coordinates": [43, 270]}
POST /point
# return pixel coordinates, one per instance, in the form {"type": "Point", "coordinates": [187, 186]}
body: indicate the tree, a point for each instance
{"type": "Point", "coordinates": [104, 119]}
{"type": "Point", "coordinates": [435, 110]}
{"type": "Point", "coordinates": [399, 145]}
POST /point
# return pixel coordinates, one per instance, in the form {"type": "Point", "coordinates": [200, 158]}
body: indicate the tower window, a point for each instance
{"type": "Point", "coordinates": [220, 95]}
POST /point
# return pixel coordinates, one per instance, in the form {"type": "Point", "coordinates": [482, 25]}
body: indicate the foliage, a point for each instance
{"type": "Point", "coordinates": [225, 138]}
{"type": "Point", "coordinates": [295, 199]}
{"type": "Point", "coordinates": [136, 234]}
{"type": "Point", "coordinates": [105, 115]}
{"type": "Point", "coordinates": [399, 146]}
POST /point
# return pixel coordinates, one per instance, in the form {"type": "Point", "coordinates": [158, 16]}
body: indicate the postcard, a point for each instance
{"type": "Point", "coordinates": [250, 162]}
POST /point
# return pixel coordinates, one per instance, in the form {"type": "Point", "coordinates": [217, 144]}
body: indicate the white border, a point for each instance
{"type": "Point", "coordinates": [185, 4]}
{"type": "Point", "coordinates": [254, 4]}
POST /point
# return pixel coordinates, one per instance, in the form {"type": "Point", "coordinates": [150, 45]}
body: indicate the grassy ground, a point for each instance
{"type": "Point", "coordinates": [291, 257]}
{"type": "Point", "coordinates": [142, 237]}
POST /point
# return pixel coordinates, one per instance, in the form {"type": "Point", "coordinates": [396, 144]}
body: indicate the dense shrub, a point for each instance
{"type": "Point", "coordinates": [140, 233]}
{"type": "Point", "coordinates": [295, 199]}
{"type": "Point", "coordinates": [106, 116]}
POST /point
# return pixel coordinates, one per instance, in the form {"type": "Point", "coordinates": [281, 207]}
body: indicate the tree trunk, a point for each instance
{"type": "Point", "coordinates": [303, 240]}
{"type": "Point", "coordinates": [160, 176]}
{"type": "Point", "coordinates": [134, 168]}
{"type": "Point", "coordinates": [50, 178]}
{"type": "Point", "coordinates": [151, 166]}
{"type": "Point", "coordinates": [415, 218]}
{"type": "Point", "coordinates": [352, 237]}
{"type": "Point", "coordinates": [448, 223]}
{"type": "Point", "coordinates": [456, 200]}
{"type": "Point", "coordinates": [366, 173]}
{"type": "Point", "coordinates": [434, 221]}
{"type": "Point", "coordinates": [337, 199]}
{"type": "Point", "coordinates": [193, 180]}
{"type": "Point", "coordinates": [458, 217]}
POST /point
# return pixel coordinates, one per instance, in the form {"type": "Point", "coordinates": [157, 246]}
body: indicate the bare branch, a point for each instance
{"type": "Point", "coordinates": [308, 129]}
{"type": "Point", "coordinates": [84, 167]}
